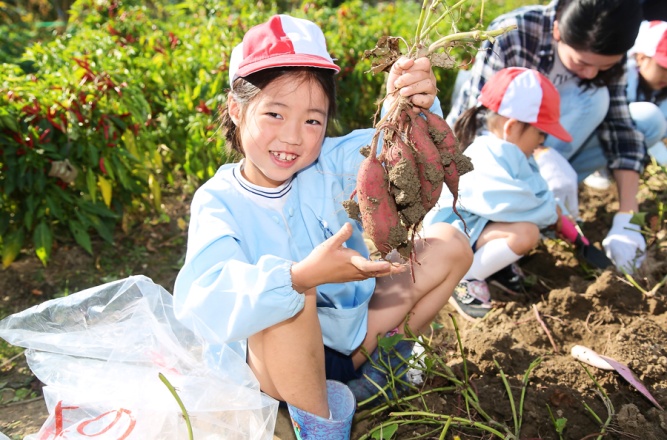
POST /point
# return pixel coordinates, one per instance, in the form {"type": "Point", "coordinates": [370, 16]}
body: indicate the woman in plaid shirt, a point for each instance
{"type": "Point", "coordinates": [580, 45]}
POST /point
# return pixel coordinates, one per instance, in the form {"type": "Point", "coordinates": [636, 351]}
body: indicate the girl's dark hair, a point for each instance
{"type": "Point", "coordinates": [603, 27]}
{"type": "Point", "coordinates": [246, 89]}
{"type": "Point", "coordinates": [467, 125]}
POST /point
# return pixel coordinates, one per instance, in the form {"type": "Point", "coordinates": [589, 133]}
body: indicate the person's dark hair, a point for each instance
{"type": "Point", "coordinates": [467, 125]}
{"type": "Point", "coordinates": [247, 88]}
{"type": "Point", "coordinates": [646, 93]}
{"type": "Point", "coordinates": [603, 27]}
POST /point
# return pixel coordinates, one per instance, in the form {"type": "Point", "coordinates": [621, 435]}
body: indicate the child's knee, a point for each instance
{"type": "Point", "coordinates": [526, 239]}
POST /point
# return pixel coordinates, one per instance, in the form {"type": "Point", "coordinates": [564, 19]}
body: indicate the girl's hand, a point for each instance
{"type": "Point", "coordinates": [414, 79]}
{"type": "Point", "coordinates": [331, 262]}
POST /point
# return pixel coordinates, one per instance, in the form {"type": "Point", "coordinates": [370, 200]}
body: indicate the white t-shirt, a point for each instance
{"type": "Point", "coordinates": [559, 73]}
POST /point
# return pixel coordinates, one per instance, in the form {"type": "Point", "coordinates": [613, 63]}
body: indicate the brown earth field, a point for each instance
{"type": "Point", "coordinates": [523, 345]}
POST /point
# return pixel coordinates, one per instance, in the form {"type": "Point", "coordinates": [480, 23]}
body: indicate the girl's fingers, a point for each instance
{"type": "Point", "coordinates": [422, 86]}
{"type": "Point", "coordinates": [340, 237]}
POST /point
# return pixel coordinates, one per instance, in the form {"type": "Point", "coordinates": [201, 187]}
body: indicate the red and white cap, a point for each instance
{"type": "Point", "coordinates": [652, 41]}
{"type": "Point", "coordinates": [282, 41]}
{"type": "Point", "coordinates": [527, 96]}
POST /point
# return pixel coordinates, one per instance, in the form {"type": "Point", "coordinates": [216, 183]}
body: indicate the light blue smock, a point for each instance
{"type": "Point", "coordinates": [505, 186]}
{"type": "Point", "coordinates": [236, 278]}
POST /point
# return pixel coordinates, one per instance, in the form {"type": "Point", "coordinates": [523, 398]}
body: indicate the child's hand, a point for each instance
{"type": "Point", "coordinates": [414, 79]}
{"type": "Point", "coordinates": [331, 262]}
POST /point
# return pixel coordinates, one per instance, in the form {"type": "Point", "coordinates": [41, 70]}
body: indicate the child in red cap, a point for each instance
{"type": "Point", "coordinates": [504, 201]}
{"type": "Point", "coordinates": [647, 83]}
{"type": "Point", "coordinates": [274, 268]}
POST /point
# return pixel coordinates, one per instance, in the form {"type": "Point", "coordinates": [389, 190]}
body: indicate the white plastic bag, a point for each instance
{"type": "Point", "coordinates": [100, 352]}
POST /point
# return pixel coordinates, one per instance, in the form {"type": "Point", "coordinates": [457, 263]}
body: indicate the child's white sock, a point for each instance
{"type": "Point", "coordinates": [490, 258]}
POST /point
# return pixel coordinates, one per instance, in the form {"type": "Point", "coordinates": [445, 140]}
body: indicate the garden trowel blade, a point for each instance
{"type": "Point", "coordinates": [592, 255]}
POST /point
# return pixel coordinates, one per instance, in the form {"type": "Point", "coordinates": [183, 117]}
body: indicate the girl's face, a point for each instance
{"type": "Point", "coordinates": [653, 73]}
{"type": "Point", "coordinates": [584, 64]}
{"type": "Point", "coordinates": [525, 136]}
{"type": "Point", "coordinates": [281, 130]}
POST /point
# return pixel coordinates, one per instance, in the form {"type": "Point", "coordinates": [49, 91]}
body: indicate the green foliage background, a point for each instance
{"type": "Point", "coordinates": [129, 92]}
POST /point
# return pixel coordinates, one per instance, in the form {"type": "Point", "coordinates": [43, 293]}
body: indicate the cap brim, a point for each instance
{"type": "Point", "coordinates": [661, 60]}
{"type": "Point", "coordinates": [291, 60]}
{"type": "Point", "coordinates": [556, 130]}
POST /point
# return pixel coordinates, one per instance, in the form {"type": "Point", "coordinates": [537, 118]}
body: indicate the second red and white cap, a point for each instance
{"type": "Point", "coordinates": [652, 41]}
{"type": "Point", "coordinates": [282, 41]}
{"type": "Point", "coordinates": [527, 96]}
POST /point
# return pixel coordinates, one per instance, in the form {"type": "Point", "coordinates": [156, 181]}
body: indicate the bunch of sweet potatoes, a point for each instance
{"type": "Point", "coordinates": [396, 188]}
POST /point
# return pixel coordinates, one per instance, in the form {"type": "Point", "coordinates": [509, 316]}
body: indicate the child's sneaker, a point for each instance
{"type": "Point", "coordinates": [397, 358]}
{"type": "Point", "coordinates": [471, 298]}
{"type": "Point", "coordinates": [415, 375]}
{"type": "Point", "coordinates": [509, 279]}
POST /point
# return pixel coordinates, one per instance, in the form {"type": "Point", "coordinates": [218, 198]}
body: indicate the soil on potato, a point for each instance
{"type": "Point", "coordinates": [598, 309]}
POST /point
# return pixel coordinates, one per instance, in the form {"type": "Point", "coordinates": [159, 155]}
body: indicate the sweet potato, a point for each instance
{"type": "Point", "coordinates": [429, 162]}
{"type": "Point", "coordinates": [379, 214]}
{"type": "Point", "coordinates": [454, 162]}
{"type": "Point", "coordinates": [402, 169]}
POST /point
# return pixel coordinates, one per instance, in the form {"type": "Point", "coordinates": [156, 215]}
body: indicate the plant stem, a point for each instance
{"type": "Point", "coordinates": [448, 11]}
{"type": "Point", "coordinates": [445, 429]}
{"type": "Point", "coordinates": [173, 392]}
{"type": "Point", "coordinates": [423, 18]}
{"type": "Point", "coordinates": [461, 420]}
{"type": "Point", "coordinates": [467, 36]}
{"type": "Point", "coordinates": [511, 399]}
{"type": "Point", "coordinates": [526, 375]}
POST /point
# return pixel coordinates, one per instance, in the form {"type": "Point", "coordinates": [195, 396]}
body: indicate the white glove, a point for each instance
{"type": "Point", "coordinates": [624, 244]}
{"type": "Point", "coordinates": [561, 178]}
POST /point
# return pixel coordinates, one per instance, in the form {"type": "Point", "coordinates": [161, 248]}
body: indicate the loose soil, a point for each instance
{"type": "Point", "coordinates": [601, 310]}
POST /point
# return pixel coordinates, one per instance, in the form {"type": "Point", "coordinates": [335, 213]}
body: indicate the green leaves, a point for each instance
{"type": "Point", "coordinates": [11, 246]}
{"type": "Point", "coordinates": [80, 235]}
{"type": "Point", "coordinates": [131, 99]}
{"type": "Point", "coordinates": [43, 240]}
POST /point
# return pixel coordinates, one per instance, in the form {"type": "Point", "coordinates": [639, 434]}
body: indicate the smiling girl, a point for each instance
{"type": "Point", "coordinates": [274, 268]}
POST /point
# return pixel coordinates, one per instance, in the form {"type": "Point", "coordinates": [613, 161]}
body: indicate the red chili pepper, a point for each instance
{"type": "Point", "coordinates": [44, 135]}
{"type": "Point", "coordinates": [173, 39]}
{"type": "Point", "coordinates": [84, 64]}
{"type": "Point", "coordinates": [102, 167]}
{"type": "Point", "coordinates": [203, 108]}
{"type": "Point", "coordinates": [31, 109]}
{"type": "Point", "coordinates": [76, 112]}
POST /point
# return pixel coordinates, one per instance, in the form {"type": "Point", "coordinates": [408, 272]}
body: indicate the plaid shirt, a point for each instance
{"type": "Point", "coordinates": [532, 45]}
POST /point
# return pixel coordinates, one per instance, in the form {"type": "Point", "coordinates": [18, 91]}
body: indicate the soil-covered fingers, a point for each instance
{"type": "Point", "coordinates": [415, 79]}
